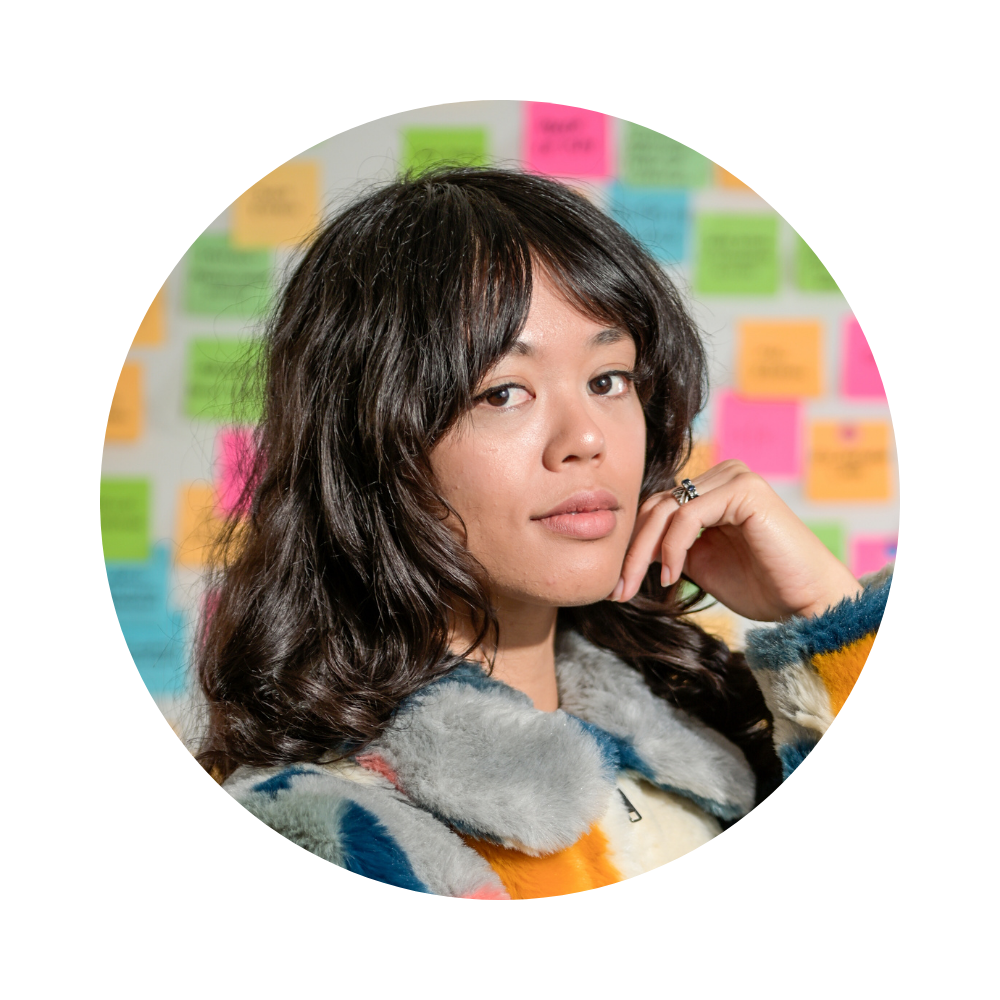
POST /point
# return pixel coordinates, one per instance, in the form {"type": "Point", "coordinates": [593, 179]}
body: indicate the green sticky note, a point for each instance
{"type": "Point", "coordinates": [653, 160]}
{"type": "Point", "coordinates": [831, 534]}
{"type": "Point", "coordinates": [810, 274]}
{"type": "Point", "coordinates": [224, 380]}
{"type": "Point", "coordinates": [125, 518]}
{"type": "Point", "coordinates": [427, 147]}
{"type": "Point", "coordinates": [736, 254]}
{"type": "Point", "coordinates": [224, 281]}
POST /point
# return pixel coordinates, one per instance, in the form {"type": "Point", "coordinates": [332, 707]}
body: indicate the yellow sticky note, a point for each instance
{"type": "Point", "coordinates": [126, 417]}
{"type": "Point", "coordinates": [721, 623]}
{"type": "Point", "coordinates": [198, 526]}
{"type": "Point", "coordinates": [848, 461]}
{"type": "Point", "coordinates": [152, 329]}
{"type": "Point", "coordinates": [702, 459]}
{"type": "Point", "coordinates": [778, 359]}
{"type": "Point", "coordinates": [283, 207]}
{"type": "Point", "coordinates": [724, 179]}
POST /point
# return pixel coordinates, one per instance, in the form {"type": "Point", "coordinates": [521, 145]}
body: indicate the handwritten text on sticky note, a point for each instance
{"type": "Point", "coordinates": [223, 380]}
{"type": "Point", "coordinates": [652, 160]}
{"type": "Point", "coordinates": [281, 208]}
{"type": "Point", "coordinates": [658, 219]}
{"type": "Point", "coordinates": [125, 518]}
{"type": "Point", "coordinates": [779, 358]}
{"type": "Point", "coordinates": [736, 254]}
{"type": "Point", "coordinates": [566, 141]}
{"type": "Point", "coordinates": [848, 461]}
{"type": "Point", "coordinates": [431, 146]}
{"type": "Point", "coordinates": [223, 280]}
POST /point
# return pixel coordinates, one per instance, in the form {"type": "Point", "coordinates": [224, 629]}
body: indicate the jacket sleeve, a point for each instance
{"type": "Point", "coordinates": [806, 667]}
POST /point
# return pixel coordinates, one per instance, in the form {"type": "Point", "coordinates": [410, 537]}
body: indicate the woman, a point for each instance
{"type": "Point", "coordinates": [450, 651]}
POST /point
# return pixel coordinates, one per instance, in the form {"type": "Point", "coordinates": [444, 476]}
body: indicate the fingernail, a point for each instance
{"type": "Point", "coordinates": [619, 590]}
{"type": "Point", "coordinates": [665, 576]}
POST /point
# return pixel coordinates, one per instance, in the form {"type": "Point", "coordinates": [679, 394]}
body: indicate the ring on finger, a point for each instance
{"type": "Point", "coordinates": [684, 493]}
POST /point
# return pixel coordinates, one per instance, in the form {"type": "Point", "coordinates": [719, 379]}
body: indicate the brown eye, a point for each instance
{"type": "Point", "coordinates": [602, 385]}
{"type": "Point", "coordinates": [499, 397]}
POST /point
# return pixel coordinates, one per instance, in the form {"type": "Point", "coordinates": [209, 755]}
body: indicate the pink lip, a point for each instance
{"type": "Point", "coordinates": [588, 515]}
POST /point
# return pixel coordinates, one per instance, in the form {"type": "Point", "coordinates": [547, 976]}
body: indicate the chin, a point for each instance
{"type": "Point", "coordinates": [569, 584]}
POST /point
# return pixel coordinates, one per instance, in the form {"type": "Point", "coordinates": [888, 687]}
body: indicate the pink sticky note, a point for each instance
{"type": "Point", "coordinates": [565, 141]}
{"type": "Point", "coordinates": [764, 435]}
{"type": "Point", "coordinates": [860, 376]}
{"type": "Point", "coordinates": [869, 553]}
{"type": "Point", "coordinates": [234, 448]}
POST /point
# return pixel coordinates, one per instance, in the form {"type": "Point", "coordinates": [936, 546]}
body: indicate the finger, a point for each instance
{"type": "Point", "coordinates": [645, 545]}
{"type": "Point", "coordinates": [706, 511]}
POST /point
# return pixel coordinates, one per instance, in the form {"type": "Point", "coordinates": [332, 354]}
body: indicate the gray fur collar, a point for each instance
{"type": "Point", "coordinates": [480, 756]}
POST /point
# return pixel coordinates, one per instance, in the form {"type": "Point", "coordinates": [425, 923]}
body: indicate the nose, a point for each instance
{"type": "Point", "coordinates": [574, 435]}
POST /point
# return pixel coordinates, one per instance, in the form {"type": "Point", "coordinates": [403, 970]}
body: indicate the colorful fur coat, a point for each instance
{"type": "Point", "coordinates": [473, 792]}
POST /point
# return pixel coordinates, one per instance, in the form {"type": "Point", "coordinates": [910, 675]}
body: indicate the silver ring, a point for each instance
{"type": "Point", "coordinates": [685, 493]}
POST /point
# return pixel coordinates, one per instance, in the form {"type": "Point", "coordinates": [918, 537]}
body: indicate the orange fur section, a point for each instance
{"type": "Point", "coordinates": [839, 669]}
{"type": "Point", "coordinates": [585, 865]}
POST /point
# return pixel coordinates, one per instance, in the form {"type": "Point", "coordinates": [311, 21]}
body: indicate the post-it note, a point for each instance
{"type": "Point", "coordinates": [763, 435]}
{"type": "Point", "coordinates": [139, 589]}
{"type": "Point", "coordinates": [198, 526]}
{"type": "Point", "coordinates": [157, 646]}
{"type": "Point", "coordinates": [870, 553]}
{"type": "Point", "coordinates": [224, 380]}
{"type": "Point", "coordinates": [860, 378]}
{"type": "Point", "coordinates": [152, 329]}
{"type": "Point", "coordinates": [234, 461]}
{"type": "Point", "coordinates": [778, 358]}
{"type": "Point", "coordinates": [724, 179]}
{"type": "Point", "coordinates": [281, 208]}
{"type": "Point", "coordinates": [650, 159]}
{"type": "Point", "coordinates": [848, 461]}
{"type": "Point", "coordinates": [566, 141]}
{"type": "Point", "coordinates": [810, 273]}
{"type": "Point", "coordinates": [831, 534]}
{"type": "Point", "coordinates": [430, 146]}
{"type": "Point", "coordinates": [125, 420]}
{"type": "Point", "coordinates": [701, 459]}
{"type": "Point", "coordinates": [223, 280]}
{"type": "Point", "coordinates": [658, 219]}
{"type": "Point", "coordinates": [125, 518]}
{"type": "Point", "coordinates": [736, 254]}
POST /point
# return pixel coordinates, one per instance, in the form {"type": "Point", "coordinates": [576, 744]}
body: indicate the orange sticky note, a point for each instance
{"type": "Point", "coordinates": [126, 417]}
{"type": "Point", "coordinates": [702, 459]}
{"type": "Point", "coordinates": [198, 527]}
{"type": "Point", "coordinates": [779, 358]}
{"type": "Point", "coordinates": [152, 329]}
{"type": "Point", "coordinates": [848, 461]}
{"type": "Point", "coordinates": [282, 207]}
{"type": "Point", "coordinates": [724, 179]}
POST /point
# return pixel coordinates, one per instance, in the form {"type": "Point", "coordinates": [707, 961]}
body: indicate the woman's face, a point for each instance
{"type": "Point", "coordinates": [546, 469]}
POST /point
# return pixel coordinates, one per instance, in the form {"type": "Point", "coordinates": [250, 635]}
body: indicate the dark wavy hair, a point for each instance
{"type": "Point", "coordinates": [334, 603]}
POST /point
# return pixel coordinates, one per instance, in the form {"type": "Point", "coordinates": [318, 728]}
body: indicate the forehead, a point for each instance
{"type": "Point", "coordinates": [531, 342]}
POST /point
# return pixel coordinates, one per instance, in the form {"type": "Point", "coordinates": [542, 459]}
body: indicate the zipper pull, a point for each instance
{"type": "Point", "coordinates": [633, 813]}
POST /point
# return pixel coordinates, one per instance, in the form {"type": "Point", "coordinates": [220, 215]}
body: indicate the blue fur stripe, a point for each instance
{"type": "Point", "coordinates": [281, 781]}
{"type": "Point", "coordinates": [792, 754]}
{"type": "Point", "coordinates": [370, 850]}
{"type": "Point", "coordinates": [799, 639]}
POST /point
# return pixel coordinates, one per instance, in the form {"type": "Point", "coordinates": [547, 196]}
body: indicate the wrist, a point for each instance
{"type": "Point", "coordinates": [847, 589]}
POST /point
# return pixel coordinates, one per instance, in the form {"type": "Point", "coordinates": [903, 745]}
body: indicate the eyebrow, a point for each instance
{"type": "Point", "coordinates": [600, 339]}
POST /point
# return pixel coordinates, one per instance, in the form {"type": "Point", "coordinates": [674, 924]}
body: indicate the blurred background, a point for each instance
{"type": "Point", "coordinates": [795, 391]}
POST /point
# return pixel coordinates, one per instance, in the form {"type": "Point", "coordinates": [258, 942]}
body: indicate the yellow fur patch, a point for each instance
{"type": "Point", "coordinates": [840, 669]}
{"type": "Point", "coordinates": [585, 865]}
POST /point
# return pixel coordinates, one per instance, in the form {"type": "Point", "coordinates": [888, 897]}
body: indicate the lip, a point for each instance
{"type": "Point", "coordinates": [588, 515]}
{"type": "Point", "coordinates": [584, 502]}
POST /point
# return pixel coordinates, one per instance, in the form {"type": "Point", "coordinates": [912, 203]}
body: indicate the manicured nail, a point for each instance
{"type": "Point", "coordinates": [619, 590]}
{"type": "Point", "coordinates": [665, 576]}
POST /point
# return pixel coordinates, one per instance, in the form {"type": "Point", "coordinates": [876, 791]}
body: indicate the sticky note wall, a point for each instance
{"type": "Point", "coordinates": [795, 390]}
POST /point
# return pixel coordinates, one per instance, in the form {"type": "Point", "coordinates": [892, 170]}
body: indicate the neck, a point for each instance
{"type": "Point", "coordinates": [525, 658]}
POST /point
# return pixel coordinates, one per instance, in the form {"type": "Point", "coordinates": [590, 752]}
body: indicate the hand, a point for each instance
{"type": "Point", "coordinates": [754, 555]}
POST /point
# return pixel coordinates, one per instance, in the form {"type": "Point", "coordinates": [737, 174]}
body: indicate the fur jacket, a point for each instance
{"type": "Point", "coordinates": [473, 792]}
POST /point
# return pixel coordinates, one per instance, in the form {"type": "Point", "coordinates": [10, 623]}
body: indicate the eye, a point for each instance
{"type": "Point", "coordinates": [610, 384]}
{"type": "Point", "coordinates": [504, 397]}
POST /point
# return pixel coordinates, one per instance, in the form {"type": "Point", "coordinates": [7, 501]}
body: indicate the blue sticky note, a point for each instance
{"type": "Point", "coordinates": [140, 588]}
{"type": "Point", "coordinates": [660, 219]}
{"type": "Point", "coordinates": [157, 645]}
